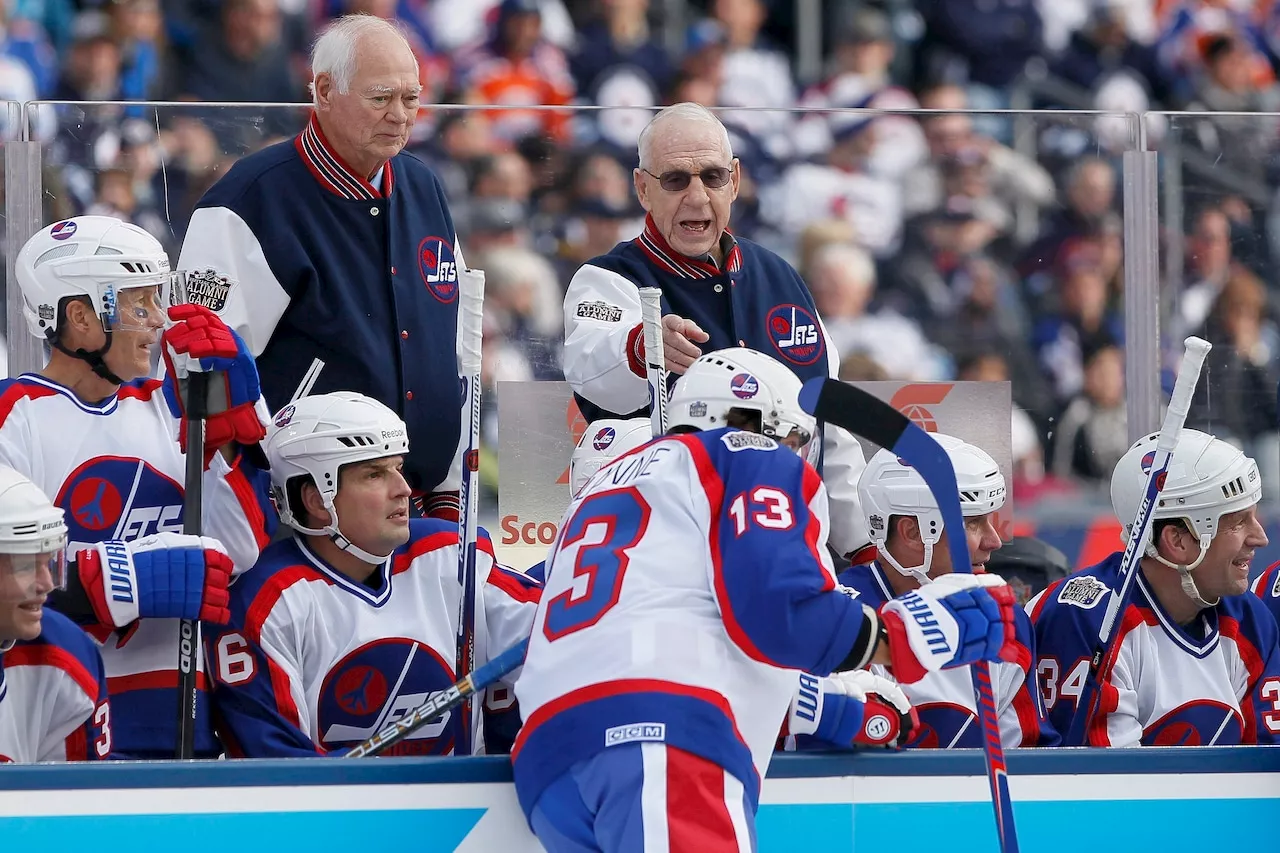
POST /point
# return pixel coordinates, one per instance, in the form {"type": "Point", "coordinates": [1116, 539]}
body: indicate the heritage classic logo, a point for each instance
{"type": "Point", "coordinates": [795, 334]}
{"type": "Point", "coordinates": [438, 267]}
{"type": "Point", "coordinates": [744, 386]}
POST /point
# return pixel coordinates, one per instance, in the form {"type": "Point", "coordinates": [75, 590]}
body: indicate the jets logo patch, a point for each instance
{"type": "Point", "coordinates": [794, 334]}
{"type": "Point", "coordinates": [1083, 592]}
{"type": "Point", "coordinates": [438, 268]}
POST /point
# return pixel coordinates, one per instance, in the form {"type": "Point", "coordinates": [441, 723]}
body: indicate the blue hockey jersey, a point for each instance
{"type": "Point", "coordinates": [945, 701]}
{"type": "Point", "coordinates": [755, 300]}
{"type": "Point", "coordinates": [327, 266]}
{"type": "Point", "coordinates": [1215, 681]}
{"type": "Point", "coordinates": [690, 581]}
{"type": "Point", "coordinates": [1267, 587]}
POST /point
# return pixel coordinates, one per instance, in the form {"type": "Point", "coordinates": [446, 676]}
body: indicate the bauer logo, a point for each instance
{"type": "Point", "coordinates": [603, 438]}
{"type": "Point", "coordinates": [744, 386]}
{"type": "Point", "coordinates": [795, 335]}
{"type": "Point", "coordinates": [62, 230]}
{"type": "Point", "coordinates": [285, 416]}
{"type": "Point", "coordinates": [633, 732]}
{"type": "Point", "coordinates": [438, 268]}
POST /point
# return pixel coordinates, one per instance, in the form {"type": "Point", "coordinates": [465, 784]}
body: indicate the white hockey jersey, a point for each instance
{"type": "Point", "coordinates": [944, 700]}
{"type": "Point", "coordinates": [116, 468]}
{"type": "Point", "coordinates": [1216, 681]}
{"type": "Point", "coordinates": [313, 663]}
{"type": "Point", "coordinates": [53, 697]}
{"type": "Point", "coordinates": [689, 584]}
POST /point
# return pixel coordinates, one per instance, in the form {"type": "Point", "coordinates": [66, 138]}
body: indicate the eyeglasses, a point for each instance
{"type": "Point", "coordinates": [677, 180]}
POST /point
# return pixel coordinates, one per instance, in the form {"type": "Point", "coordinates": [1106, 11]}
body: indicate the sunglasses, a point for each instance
{"type": "Point", "coordinates": [677, 180]}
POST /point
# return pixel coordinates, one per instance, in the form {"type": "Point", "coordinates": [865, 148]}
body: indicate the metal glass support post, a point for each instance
{"type": "Point", "coordinates": [1141, 292]}
{"type": "Point", "coordinates": [24, 216]}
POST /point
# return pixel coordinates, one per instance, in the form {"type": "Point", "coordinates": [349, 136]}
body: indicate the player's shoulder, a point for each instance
{"type": "Point", "coordinates": [863, 581]}
{"type": "Point", "coordinates": [62, 645]}
{"type": "Point", "coordinates": [1267, 585]}
{"type": "Point", "coordinates": [20, 388]}
{"type": "Point", "coordinates": [1253, 616]}
{"type": "Point", "coordinates": [1079, 597]}
{"type": "Point", "coordinates": [144, 390]}
{"type": "Point", "coordinates": [281, 565]}
{"type": "Point", "coordinates": [624, 261]}
{"type": "Point", "coordinates": [436, 536]}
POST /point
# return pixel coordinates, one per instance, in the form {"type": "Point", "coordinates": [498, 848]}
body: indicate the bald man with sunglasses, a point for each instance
{"type": "Point", "coordinates": [718, 291]}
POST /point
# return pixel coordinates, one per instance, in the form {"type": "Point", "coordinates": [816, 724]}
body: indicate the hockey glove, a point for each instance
{"type": "Point", "coordinates": [200, 334]}
{"type": "Point", "coordinates": [446, 506]}
{"type": "Point", "coordinates": [852, 709]}
{"type": "Point", "coordinates": [163, 576]}
{"type": "Point", "coordinates": [956, 620]}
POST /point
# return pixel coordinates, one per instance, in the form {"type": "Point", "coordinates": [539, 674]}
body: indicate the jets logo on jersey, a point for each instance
{"type": "Point", "coordinates": [379, 683]}
{"type": "Point", "coordinates": [603, 438]}
{"type": "Point", "coordinates": [794, 333]}
{"type": "Point", "coordinates": [438, 268]}
{"type": "Point", "coordinates": [1084, 592]}
{"type": "Point", "coordinates": [1200, 723]}
{"type": "Point", "coordinates": [118, 498]}
{"type": "Point", "coordinates": [945, 725]}
{"type": "Point", "coordinates": [62, 230]}
{"type": "Point", "coordinates": [744, 386]}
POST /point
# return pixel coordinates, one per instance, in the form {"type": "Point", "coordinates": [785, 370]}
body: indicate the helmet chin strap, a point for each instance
{"type": "Point", "coordinates": [920, 573]}
{"type": "Point", "coordinates": [1188, 583]}
{"type": "Point", "coordinates": [5, 645]}
{"type": "Point", "coordinates": [335, 535]}
{"type": "Point", "coordinates": [94, 358]}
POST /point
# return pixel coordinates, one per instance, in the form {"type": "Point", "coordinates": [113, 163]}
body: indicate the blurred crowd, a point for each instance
{"type": "Point", "coordinates": [937, 246]}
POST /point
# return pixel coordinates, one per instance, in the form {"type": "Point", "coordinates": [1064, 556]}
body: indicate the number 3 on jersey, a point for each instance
{"type": "Point", "coordinates": [603, 529]}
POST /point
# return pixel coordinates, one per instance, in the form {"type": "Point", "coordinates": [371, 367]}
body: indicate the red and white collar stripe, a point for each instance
{"type": "Point", "coordinates": [333, 174]}
{"type": "Point", "coordinates": [660, 252]}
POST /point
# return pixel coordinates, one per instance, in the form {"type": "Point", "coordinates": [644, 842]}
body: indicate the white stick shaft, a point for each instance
{"type": "Point", "coordinates": [308, 380]}
{"type": "Point", "coordinates": [655, 357]}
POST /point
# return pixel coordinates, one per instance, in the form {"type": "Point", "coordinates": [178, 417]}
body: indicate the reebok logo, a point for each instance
{"type": "Point", "coordinates": [922, 613]}
{"type": "Point", "coordinates": [633, 732]}
{"type": "Point", "coordinates": [119, 570]}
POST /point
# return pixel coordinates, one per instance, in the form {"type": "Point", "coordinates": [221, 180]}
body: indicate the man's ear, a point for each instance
{"type": "Point", "coordinates": [323, 84]}
{"type": "Point", "coordinates": [313, 503]}
{"type": "Point", "coordinates": [642, 187]}
{"type": "Point", "coordinates": [1177, 544]}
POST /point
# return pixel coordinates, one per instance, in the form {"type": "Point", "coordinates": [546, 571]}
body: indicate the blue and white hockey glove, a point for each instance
{"type": "Point", "coordinates": [164, 576]}
{"type": "Point", "coordinates": [852, 709]}
{"type": "Point", "coordinates": [956, 620]}
{"type": "Point", "coordinates": [234, 389]}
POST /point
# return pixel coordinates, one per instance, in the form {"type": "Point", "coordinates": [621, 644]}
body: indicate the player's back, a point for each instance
{"type": "Point", "coordinates": [674, 596]}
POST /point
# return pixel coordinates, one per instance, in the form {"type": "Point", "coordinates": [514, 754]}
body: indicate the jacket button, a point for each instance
{"type": "Point", "coordinates": [742, 343]}
{"type": "Point", "coordinates": [408, 395]}
{"type": "Point", "coordinates": [393, 270]}
{"type": "Point", "coordinates": [719, 288]}
{"type": "Point", "coordinates": [373, 211]}
{"type": "Point", "coordinates": [404, 335]}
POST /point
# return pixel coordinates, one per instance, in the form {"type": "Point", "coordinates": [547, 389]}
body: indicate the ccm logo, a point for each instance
{"type": "Point", "coordinates": [529, 533]}
{"type": "Point", "coordinates": [635, 732]}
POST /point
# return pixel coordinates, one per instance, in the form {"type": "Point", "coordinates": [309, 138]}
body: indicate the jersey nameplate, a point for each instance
{"type": "Point", "coordinates": [602, 311]}
{"type": "Point", "coordinates": [1083, 592]}
{"type": "Point", "coordinates": [736, 441]}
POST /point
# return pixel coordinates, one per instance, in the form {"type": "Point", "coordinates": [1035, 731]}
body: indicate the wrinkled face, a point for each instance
{"type": "Point", "coordinates": [373, 504]}
{"type": "Point", "coordinates": [692, 219]}
{"type": "Point", "coordinates": [370, 122]}
{"type": "Point", "coordinates": [1225, 568]}
{"type": "Point", "coordinates": [982, 537]}
{"type": "Point", "coordinates": [25, 582]}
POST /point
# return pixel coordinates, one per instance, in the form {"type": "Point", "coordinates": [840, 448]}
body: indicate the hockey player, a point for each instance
{"type": "Point", "coordinates": [99, 438]}
{"type": "Point", "coordinates": [718, 291]}
{"type": "Point", "coordinates": [908, 532]}
{"type": "Point", "coordinates": [688, 585]}
{"type": "Point", "coordinates": [352, 621]}
{"type": "Point", "coordinates": [1195, 658]}
{"type": "Point", "coordinates": [1267, 587]}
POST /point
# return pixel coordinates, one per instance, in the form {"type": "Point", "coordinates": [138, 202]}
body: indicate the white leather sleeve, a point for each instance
{"type": "Point", "coordinates": [841, 467]}
{"type": "Point", "coordinates": [219, 239]}
{"type": "Point", "coordinates": [600, 310]}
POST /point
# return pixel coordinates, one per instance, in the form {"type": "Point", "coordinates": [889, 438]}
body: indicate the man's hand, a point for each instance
{"type": "Point", "coordinates": [679, 342]}
{"type": "Point", "coordinates": [954, 621]}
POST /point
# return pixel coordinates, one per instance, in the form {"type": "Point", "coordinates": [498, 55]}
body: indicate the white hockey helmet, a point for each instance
{"type": "Point", "coordinates": [741, 378]}
{"type": "Point", "coordinates": [1207, 478]}
{"type": "Point", "coordinates": [889, 487]}
{"type": "Point", "coordinates": [604, 441]}
{"type": "Point", "coordinates": [93, 256]}
{"type": "Point", "coordinates": [317, 435]}
{"type": "Point", "coordinates": [33, 532]}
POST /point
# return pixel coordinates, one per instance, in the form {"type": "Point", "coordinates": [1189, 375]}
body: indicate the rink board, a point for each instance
{"type": "Point", "coordinates": [1155, 799]}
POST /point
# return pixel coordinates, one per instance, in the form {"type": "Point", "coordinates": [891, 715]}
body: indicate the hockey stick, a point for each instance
{"type": "Point", "coordinates": [655, 357]}
{"type": "Point", "coordinates": [1176, 415]}
{"type": "Point", "coordinates": [471, 305]}
{"type": "Point", "coordinates": [192, 524]}
{"type": "Point", "coordinates": [861, 413]}
{"type": "Point", "coordinates": [308, 380]}
{"type": "Point", "coordinates": [443, 703]}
